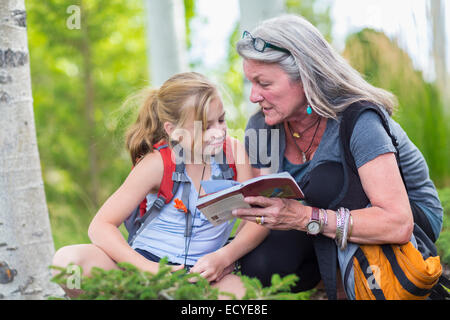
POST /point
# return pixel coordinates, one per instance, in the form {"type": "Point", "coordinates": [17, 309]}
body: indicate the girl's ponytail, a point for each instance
{"type": "Point", "coordinates": [183, 96]}
{"type": "Point", "coordinates": [148, 128]}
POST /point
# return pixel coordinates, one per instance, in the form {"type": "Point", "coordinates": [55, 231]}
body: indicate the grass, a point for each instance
{"type": "Point", "coordinates": [443, 243]}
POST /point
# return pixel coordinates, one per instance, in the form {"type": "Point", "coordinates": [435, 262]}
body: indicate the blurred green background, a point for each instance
{"type": "Point", "coordinates": [80, 78]}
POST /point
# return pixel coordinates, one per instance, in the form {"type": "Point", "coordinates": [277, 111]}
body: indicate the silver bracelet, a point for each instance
{"type": "Point", "coordinates": [345, 228]}
{"type": "Point", "coordinates": [338, 237]}
{"type": "Point", "coordinates": [342, 227]}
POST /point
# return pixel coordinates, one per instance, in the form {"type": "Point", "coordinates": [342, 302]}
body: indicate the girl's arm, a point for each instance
{"type": "Point", "coordinates": [103, 231]}
{"type": "Point", "coordinates": [250, 234]}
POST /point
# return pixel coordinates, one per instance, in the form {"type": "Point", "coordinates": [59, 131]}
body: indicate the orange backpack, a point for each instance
{"type": "Point", "coordinates": [394, 272]}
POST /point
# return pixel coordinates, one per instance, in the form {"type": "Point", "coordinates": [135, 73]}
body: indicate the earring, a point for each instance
{"type": "Point", "coordinates": [309, 109]}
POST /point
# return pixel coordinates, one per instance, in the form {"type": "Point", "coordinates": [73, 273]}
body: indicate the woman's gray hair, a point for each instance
{"type": "Point", "coordinates": [329, 82]}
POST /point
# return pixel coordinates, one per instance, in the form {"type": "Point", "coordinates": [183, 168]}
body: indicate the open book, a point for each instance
{"type": "Point", "coordinates": [217, 207]}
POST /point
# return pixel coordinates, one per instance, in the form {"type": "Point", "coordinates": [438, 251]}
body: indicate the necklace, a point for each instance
{"type": "Point", "coordinates": [298, 135]}
{"type": "Point", "coordinates": [303, 153]}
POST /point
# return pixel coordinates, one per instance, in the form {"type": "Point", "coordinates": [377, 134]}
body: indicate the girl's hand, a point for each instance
{"type": "Point", "coordinates": [177, 267]}
{"type": "Point", "coordinates": [211, 266]}
{"type": "Point", "coordinates": [225, 271]}
{"type": "Point", "coordinates": [278, 213]}
{"type": "Point", "coordinates": [153, 267]}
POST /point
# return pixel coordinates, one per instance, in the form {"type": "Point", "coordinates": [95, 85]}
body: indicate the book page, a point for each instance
{"type": "Point", "coordinates": [220, 211]}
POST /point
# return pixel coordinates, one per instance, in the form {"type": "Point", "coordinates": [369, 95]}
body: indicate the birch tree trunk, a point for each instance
{"type": "Point", "coordinates": [26, 244]}
{"type": "Point", "coordinates": [89, 109]}
{"type": "Point", "coordinates": [436, 11]}
{"type": "Point", "coordinates": [166, 39]}
{"type": "Point", "coordinates": [252, 13]}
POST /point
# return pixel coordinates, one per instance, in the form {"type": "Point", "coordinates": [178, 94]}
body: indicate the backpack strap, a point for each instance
{"type": "Point", "coordinates": [167, 183]}
{"type": "Point", "coordinates": [173, 176]}
{"type": "Point", "coordinates": [226, 162]}
{"type": "Point", "coordinates": [141, 217]}
{"type": "Point", "coordinates": [230, 169]}
{"type": "Point", "coordinates": [178, 177]}
{"type": "Point", "coordinates": [348, 122]}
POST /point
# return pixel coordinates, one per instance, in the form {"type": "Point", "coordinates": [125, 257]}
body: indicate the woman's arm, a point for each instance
{"type": "Point", "coordinates": [389, 220]}
{"type": "Point", "coordinates": [103, 231]}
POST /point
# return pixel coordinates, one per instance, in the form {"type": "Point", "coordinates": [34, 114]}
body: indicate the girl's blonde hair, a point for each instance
{"type": "Point", "coordinates": [175, 101]}
{"type": "Point", "coordinates": [329, 82]}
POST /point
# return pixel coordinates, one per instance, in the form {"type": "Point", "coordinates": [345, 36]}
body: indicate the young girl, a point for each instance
{"type": "Point", "coordinates": [172, 114]}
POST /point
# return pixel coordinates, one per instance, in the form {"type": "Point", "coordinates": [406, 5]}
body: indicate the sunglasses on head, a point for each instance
{"type": "Point", "coordinates": [261, 44]}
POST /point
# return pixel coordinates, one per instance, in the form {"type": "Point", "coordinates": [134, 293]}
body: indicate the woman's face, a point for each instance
{"type": "Point", "coordinates": [280, 98]}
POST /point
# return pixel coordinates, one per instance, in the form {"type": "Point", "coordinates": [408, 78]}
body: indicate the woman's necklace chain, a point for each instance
{"type": "Point", "coordinates": [298, 135]}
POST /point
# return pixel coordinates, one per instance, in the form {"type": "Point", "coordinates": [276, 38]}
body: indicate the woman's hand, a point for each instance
{"type": "Point", "coordinates": [211, 266]}
{"type": "Point", "coordinates": [278, 213]}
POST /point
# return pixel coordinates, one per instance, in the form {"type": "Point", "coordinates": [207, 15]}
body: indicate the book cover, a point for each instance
{"type": "Point", "coordinates": [217, 207]}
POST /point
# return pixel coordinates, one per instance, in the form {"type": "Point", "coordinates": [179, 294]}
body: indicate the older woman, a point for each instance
{"type": "Point", "coordinates": [303, 86]}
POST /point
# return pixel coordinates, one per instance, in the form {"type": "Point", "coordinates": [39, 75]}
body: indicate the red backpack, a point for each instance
{"type": "Point", "coordinates": [173, 176]}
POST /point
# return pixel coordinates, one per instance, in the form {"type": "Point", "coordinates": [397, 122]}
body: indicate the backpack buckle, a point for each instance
{"type": "Point", "coordinates": [179, 177]}
{"type": "Point", "coordinates": [159, 202]}
{"type": "Point", "coordinates": [228, 174]}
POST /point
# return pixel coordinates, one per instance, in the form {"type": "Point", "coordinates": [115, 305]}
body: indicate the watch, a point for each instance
{"type": "Point", "coordinates": [314, 226]}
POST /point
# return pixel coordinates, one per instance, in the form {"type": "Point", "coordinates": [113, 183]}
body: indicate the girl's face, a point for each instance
{"type": "Point", "coordinates": [216, 128]}
{"type": "Point", "coordinates": [280, 98]}
{"type": "Point", "coordinates": [205, 143]}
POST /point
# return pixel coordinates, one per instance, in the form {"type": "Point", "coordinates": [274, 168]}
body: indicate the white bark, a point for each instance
{"type": "Point", "coordinates": [166, 39]}
{"type": "Point", "coordinates": [252, 13]}
{"type": "Point", "coordinates": [255, 11]}
{"type": "Point", "coordinates": [436, 12]}
{"type": "Point", "coordinates": [26, 243]}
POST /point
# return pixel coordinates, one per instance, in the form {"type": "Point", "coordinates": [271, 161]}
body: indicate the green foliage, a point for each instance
{"type": "Point", "coordinates": [316, 12]}
{"type": "Point", "coordinates": [130, 283]}
{"type": "Point", "coordinates": [443, 243]}
{"type": "Point", "coordinates": [190, 12]}
{"type": "Point", "coordinates": [80, 78]}
{"type": "Point", "coordinates": [420, 111]}
{"type": "Point", "coordinates": [279, 289]}
{"type": "Point", "coordinates": [232, 82]}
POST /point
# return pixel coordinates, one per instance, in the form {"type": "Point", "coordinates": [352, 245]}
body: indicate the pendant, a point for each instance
{"type": "Point", "coordinates": [304, 157]}
{"type": "Point", "coordinates": [296, 135]}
